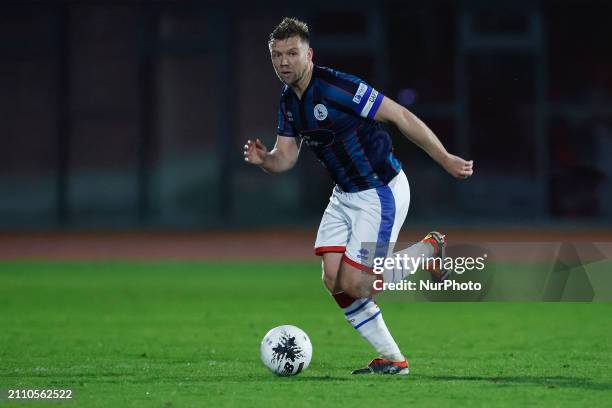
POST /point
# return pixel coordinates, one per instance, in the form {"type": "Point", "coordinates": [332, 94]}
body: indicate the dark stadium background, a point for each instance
{"type": "Point", "coordinates": [142, 261]}
{"type": "Point", "coordinates": [123, 115]}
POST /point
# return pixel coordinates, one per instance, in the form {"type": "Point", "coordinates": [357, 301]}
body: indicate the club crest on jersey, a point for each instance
{"type": "Point", "coordinates": [289, 116]}
{"type": "Point", "coordinates": [320, 111]}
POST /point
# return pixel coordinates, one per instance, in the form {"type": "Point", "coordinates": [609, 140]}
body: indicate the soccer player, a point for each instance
{"type": "Point", "coordinates": [338, 116]}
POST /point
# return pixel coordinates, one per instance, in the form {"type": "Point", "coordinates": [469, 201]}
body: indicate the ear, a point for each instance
{"type": "Point", "coordinates": [309, 54]}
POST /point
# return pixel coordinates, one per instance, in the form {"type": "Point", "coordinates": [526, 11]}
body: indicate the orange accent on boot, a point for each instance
{"type": "Point", "coordinates": [400, 364]}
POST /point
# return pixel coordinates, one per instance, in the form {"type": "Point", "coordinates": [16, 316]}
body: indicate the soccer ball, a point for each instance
{"type": "Point", "coordinates": [286, 350]}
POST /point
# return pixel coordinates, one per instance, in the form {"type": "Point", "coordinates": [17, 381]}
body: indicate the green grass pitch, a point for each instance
{"type": "Point", "coordinates": [173, 334]}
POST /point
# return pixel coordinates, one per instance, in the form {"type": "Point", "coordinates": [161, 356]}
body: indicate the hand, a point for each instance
{"type": "Point", "coordinates": [457, 167]}
{"type": "Point", "coordinates": [255, 152]}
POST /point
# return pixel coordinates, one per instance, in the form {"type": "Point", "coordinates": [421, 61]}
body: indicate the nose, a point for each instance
{"type": "Point", "coordinates": [284, 60]}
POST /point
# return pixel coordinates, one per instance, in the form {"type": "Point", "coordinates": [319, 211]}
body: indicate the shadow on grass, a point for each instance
{"type": "Point", "coordinates": [550, 382]}
{"type": "Point", "coordinates": [300, 378]}
{"type": "Point", "coordinates": [318, 378]}
{"type": "Point", "coordinates": [138, 378]}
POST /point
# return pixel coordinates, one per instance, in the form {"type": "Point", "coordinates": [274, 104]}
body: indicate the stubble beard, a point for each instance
{"type": "Point", "coordinates": [299, 78]}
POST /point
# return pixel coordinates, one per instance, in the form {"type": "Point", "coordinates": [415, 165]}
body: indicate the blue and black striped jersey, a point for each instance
{"type": "Point", "coordinates": [335, 118]}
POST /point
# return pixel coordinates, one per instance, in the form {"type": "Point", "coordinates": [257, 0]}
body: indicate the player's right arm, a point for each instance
{"type": "Point", "coordinates": [281, 158]}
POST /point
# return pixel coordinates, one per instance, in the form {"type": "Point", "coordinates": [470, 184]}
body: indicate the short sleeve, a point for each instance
{"type": "Point", "coordinates": [355, 95]}
{"type": "Point", "coordinates": [285, 127]}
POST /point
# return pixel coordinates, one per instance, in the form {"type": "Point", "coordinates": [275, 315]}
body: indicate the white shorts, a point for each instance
{"type": "Point", "coordinates": [361, 225]}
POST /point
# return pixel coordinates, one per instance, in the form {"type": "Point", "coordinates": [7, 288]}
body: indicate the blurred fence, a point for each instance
{"type": "Point", "coordinates": [133, 114]}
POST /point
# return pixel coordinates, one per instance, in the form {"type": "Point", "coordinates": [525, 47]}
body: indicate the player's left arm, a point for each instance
{"type": "Point", "coordinates": [416, 131]}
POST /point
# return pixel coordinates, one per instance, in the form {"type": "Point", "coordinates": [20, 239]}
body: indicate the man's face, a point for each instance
{"type": "Point", "coordinates": [290, 58]}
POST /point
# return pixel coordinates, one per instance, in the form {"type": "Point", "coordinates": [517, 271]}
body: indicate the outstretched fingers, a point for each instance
{"type": "Point", "coordinates": [254, 152]}
{"type": "Point", "coordinates": [259, 145]}
{"type": "Point", "coordinates": [248, 148]}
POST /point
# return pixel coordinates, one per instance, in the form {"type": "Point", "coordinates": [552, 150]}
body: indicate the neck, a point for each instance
{"type": "Point", "coordinates": [300, 86]}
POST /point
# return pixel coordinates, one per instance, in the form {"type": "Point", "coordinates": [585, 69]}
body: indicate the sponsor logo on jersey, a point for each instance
{"type": "Point", "coordinates": [289, 116]}
{"type": "Point", "coordinates": [317, 138]}
{"type": "Point", "coordinates": [310, 142]}
{"type": "Point", "coordinates": [320, 111]}
{"type": "Point", "coordinates": [360, 92]}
